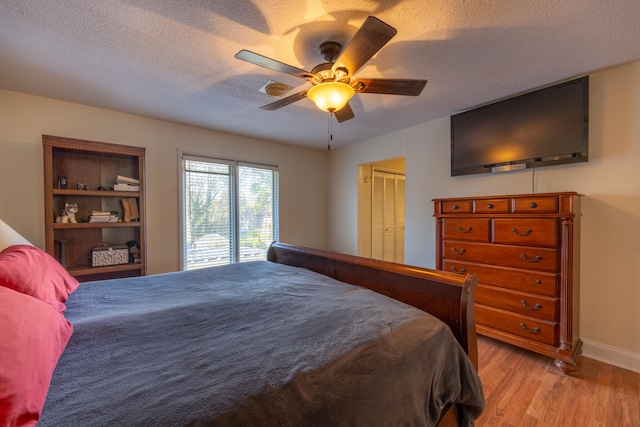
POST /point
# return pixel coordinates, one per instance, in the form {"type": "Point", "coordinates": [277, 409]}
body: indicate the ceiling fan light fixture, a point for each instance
{"type": "Point", "coordinates": [330, 96]}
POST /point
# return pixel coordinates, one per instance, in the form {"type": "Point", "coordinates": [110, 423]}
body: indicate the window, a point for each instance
{"type": "Point", "coordinates": [230, 211]}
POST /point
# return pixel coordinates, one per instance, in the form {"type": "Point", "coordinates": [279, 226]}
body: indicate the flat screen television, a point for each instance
{"type": "Point", "coordinates": [546, 127]}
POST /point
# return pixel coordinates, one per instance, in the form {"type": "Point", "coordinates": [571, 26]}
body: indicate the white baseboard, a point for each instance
{"type": "Point", "coordinates": [611, 355]}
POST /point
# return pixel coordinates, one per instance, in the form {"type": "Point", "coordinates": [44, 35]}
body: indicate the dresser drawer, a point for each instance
{"type": "Point", "coordinates": [535, 282]}
{"type": "Point", "coordinates": [518, 302]}
{"type": "Point", "coordinates": [492, 206]}
{"type": "Point", "coordinates": [529, 258]}
{"type": "Point", "coordinates": [526, 232]}
{"type": "Point", "coordinates": [535, 205]}
{"type": "Point", "coordinates": [462, 206]}
{"type": "Point", "coordinates": [534, 329]}
{"type": "Point", "coordinates": [476, 230]}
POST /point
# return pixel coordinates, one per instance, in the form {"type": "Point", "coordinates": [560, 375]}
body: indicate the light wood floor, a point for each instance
{"type": "Point", "coordinates": [525, 389]}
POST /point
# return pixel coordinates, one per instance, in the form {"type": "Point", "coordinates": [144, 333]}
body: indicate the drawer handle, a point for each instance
{"type": "Point", "coordinates": [455, 207]}
{"type": "Point", "coordinates": [455, 270]}
{"type": "Point", "coordinates": [537, 258]}
{"type": "Point", "coordinates": [538, 281]}
{"type": "Point", "coordinates": [526, 232]}
{"type": "Point", "coordinates": [533, 205]}
{"type": "Point", "coordinates": [458, 252]}
{"type": "Point", "coordinates": [528, 307]}
{"type": "Point", "coordinates": [490, 206]}
{"type": "Point", "coordinates": [535, 330]}
{"type": "Point", "coordinates": [462, 230]}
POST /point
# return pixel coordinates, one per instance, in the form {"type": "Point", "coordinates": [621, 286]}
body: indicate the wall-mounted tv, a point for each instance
{"type": "Point", "coordinates": [546, 127]}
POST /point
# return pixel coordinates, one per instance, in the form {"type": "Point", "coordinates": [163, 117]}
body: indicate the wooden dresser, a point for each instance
{"type": "Point", "coordinates": [525, 251]}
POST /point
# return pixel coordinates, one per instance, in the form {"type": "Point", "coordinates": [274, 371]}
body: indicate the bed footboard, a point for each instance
{"type": "Point", "coordinates": [447, 296]}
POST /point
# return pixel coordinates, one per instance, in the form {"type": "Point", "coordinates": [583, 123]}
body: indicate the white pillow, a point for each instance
{"type": "Point", "coordinates": [10, 237]}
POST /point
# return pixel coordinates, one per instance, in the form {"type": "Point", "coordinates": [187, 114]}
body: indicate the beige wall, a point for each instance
{"type": "Point", "coordinates": [24, 118]}
{"type": "Point", "coordinates": [610, 181]}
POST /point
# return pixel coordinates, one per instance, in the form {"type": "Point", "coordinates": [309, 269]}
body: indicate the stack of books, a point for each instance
{"type": "Point", "coordinates": [103, 216]}
{"type": "Point", "coordinates": [124, 183]}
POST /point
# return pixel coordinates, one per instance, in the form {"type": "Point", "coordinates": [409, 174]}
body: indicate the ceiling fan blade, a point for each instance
{"type": "Point", "coordinates": [344, 114]}
{"type": "Point", "coordinates": [390, 86]}
{"type": "Point", "coordinates": [272, 64]}
{"type": "Point", "coordinates": [367, 41]}
{"type": "Point", "coordinates": [285, 101]}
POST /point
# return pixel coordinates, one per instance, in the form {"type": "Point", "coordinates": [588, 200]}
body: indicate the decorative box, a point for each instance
{"type": "Point", "coordinates": [104, 254]}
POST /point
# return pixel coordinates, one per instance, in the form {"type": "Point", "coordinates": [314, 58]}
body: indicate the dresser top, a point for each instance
{"type": "Point", "coordinates": [560, 204]}
{"type": "Point", "coordinates": [510, 196]}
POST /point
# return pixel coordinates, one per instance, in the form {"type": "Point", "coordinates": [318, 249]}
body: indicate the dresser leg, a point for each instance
{"type": "Point", "coordinates": [566, 367]}
{"type": "Point", "coordinates": [570, 366]}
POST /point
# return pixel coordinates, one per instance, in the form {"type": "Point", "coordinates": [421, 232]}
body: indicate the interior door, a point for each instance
{"type": "Point", "coordinates": [387, 216]}
{"type": "Point", "coordinates": [398, 254]}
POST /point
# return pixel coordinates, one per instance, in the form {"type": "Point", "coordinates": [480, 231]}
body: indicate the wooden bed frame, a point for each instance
{"type": "Point", "coordinates": [448, 296]}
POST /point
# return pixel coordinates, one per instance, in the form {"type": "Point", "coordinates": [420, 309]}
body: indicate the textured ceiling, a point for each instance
{"type": "Point", "coordinates": [174, 60]}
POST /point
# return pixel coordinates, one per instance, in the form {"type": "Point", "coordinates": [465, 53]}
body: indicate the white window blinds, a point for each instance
{"type": "Point", "coordinates": [230, 211]}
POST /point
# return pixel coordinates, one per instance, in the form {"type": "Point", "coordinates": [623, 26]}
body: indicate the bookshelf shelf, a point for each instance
{"type": "Point", "coordinates": [86, 273]}
{"type": "Point", "coordinates": [81, 225]}
{"type": "Point", "coordinates": [95, 193]}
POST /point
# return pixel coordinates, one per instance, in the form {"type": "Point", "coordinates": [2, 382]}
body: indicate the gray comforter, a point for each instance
{"type": "Point", "coordinates": [253, 344]}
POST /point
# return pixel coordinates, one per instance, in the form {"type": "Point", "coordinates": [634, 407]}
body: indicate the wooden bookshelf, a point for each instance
{"type": "Point", "coordinates": [95, 164]}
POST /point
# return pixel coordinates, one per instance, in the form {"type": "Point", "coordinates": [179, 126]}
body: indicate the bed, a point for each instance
{"type": "Point", "coordinates": [287, 341]}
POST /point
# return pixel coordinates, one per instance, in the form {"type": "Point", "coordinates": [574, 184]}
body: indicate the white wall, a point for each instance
{"type": "Point", "coordinates": [24, 118]}
{"type": "Point", "coordinates": [610, 181]}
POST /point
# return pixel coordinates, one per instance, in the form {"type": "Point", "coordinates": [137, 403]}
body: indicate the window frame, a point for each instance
{"type": "Point", "coordinates": [234, 166]}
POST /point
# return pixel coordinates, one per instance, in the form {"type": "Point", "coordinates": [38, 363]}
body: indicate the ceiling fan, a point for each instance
{"type": "Point", "coordinates": [332, 84]}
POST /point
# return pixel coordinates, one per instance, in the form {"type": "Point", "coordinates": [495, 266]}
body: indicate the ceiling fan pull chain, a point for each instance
{"type": "Point", "coordinates": [330, 132]}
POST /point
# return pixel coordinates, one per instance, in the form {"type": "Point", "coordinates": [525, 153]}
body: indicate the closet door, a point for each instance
{"type": "Point", "coordinates": [387, 217]}
{"type": "Point", "coordinates": [398, 255]}
{"type": "Point", "coordinates": [377, 220]}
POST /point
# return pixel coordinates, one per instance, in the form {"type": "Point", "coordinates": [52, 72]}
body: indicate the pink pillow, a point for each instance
{"type": "Point", "coordinates": [32, 271]}
{"type": "Point", "coordinates": [32, 338]}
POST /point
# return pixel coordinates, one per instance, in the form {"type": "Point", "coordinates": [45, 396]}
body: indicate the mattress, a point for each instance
{"type": "Point", "coordinates": [254, 343]}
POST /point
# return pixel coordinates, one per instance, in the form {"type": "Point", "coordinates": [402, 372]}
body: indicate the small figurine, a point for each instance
{"type": "Point", "coordinates": [134, 250]}
{"type": "Point", "coordinates": [68, 214]}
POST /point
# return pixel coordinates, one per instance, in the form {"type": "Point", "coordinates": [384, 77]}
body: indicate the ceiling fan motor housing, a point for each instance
{"type": "Point", "coordinates": [324, 72]}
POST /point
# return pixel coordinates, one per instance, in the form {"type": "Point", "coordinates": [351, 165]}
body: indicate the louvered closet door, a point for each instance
{"type": "Point", "coordinates": [387, 217]}
{"type": "Point", "coordinates": [399, 222]}
{"type": "Point", "coordinates": [377, 222]}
